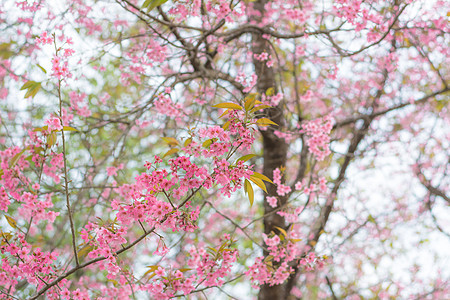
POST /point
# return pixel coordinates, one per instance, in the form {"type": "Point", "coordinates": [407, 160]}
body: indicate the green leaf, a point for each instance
{"type": "Point", "coordinates": [295, 240]}
{"type": "Point", "coordinates": [171, 151]}
{"type": "Point", "coordinates": [184, 269]}
{"type": "Point", "coordinates": [146, 3]}
{"type": "Point", "coordinates": [33, 91]}
{"type": "Point", "coordinates": [114, 282]}
{"type": "Point", "coordinates": [222, 247]}
{"type": "Point", "coordinates": [228, 105]}
{"type": "Point", "coordinates": [37, 129]}
{"type": "Point", "coordinates": [226, 125]}
{"type": "Point", "coordinates": [44, 128]}
{"type": "Point", "coordinates": [43, 70]}
{"type": "Point", "coordinates": [282, 231]}
{"type": "Point", "coordinates": [212, 249]}
{"type": "Point", "coordinates": [151, 269]}
{"type": "Point", "coordinates": [11, 221]}
{"type": "Point", "coordinates": [170, 141]}
{"type": "Point", "coordinates": [225, 112]}
{"type": "Point", "coordinates": [270, 91]}
{"type": "Point", "coordinates": [265, 122]}
{"type": "Point", "coordinates": [187, 142]}
{"type": "Point", "coordinates": [208, 143]}
{"type": "Point", "coordinates": [249, 190]}
{"type": "Point", "coordinates": [27, 85]}
{"type": "Point", "coordinates": [6, 237]}
{"type": "Point", "coordinates": [16, 158]}
{"type": "Point", "coordinates": [32, 88]}
{"type": "Point", "coordinates": [259, 107]}
{"type": "Point", "coordinates": [151, 4]}
{"type": "Point", "coordinates": [268, 258]}
{"type": "Point", "coordinates": [68, 128]}
{"type": "Point", "coordinates": [251, 96]}
{"type": "Point", "coordinates": [246, 157]}
{"type": "Point", "coordinates": [250, 101]}
{"type": "Point", "coordinates": [51, 139]}
{"type": "Point", "coordinates": [85, 250]}
{"type": "Point", "coordinates": [5, 51]}
{"type": "Point", "coordinates": [38, 150]}
{"type": "Point", "coordinates": [259, 183]}
{"type": "Point", "coordinates": [261, 176]}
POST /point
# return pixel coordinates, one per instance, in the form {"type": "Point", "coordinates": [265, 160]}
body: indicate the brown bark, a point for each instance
{"type": "Point", "coordinates": [275, 149]}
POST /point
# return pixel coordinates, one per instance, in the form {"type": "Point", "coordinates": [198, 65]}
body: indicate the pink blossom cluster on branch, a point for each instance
{"type": "Point", "coordinates": [169, 149]}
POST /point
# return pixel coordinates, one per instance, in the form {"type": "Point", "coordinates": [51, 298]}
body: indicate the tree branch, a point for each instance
{"type": "Point", "coordinates": [66, 182]}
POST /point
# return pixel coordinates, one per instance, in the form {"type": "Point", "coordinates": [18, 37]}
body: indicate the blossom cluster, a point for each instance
{"type": "Point", "coordinates": [60, 64]}
{"type": "Point", "coordinates": [21, 261]}
{"type": "Point", "coordinates": [79, 104]}
{"type": "Point", "coordinates": [155, 201]}
{"type": "Point", "coordinates": [207, 266]}
{"type": "Point", "coordinates": [165, 106]}
{"type": "Point", "coordinates": [282, 189]}
{"type": "Point", "coordinates": [31, 6]}
{"type": "Point", "coordinates": [44, 39]}
{"type": "Point", "coordinates": [283, 256]}
{"type": "Point", "coordinates": [318, 132]}
{"type": "Point", "coordinates": [264, 57]}
{"type": "Point", "coordinates": [318, 186]}
{"type": "Point", "coordinates": [249, 83]}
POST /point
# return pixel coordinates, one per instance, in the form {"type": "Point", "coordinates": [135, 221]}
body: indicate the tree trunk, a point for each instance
{"type": "Point", "coordinates": [275, 149]}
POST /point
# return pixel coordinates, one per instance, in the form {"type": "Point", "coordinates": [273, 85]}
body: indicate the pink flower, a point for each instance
{"type": "Point", "coordinates": [54, 124]}
{"type": "Point", "coordinates": [44, 39]}
{"type": "Point", "coordinates": [222, 179]}
{"type": "Point", "coordinates": [111, 171]}
{"type": "Point", "coordinates": [160, 272]}
{"type": "Point", "coordinates": [282, 189]}
{"type": "Point", "coordinates": [68, 52]}
{"type": "Point", "coordinates": [272, 201]}
{"type": "Point", "coordinates": [318, 132]}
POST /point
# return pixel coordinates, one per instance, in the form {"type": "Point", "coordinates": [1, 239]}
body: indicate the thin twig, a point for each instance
{"type": "Point", "coordinates": [66, 182]}
{"type": "Point", "coordinates": [330, 285]}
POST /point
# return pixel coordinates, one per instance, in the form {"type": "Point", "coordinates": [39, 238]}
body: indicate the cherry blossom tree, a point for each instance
{"type": "Point", "coordinates": [284, 149]}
